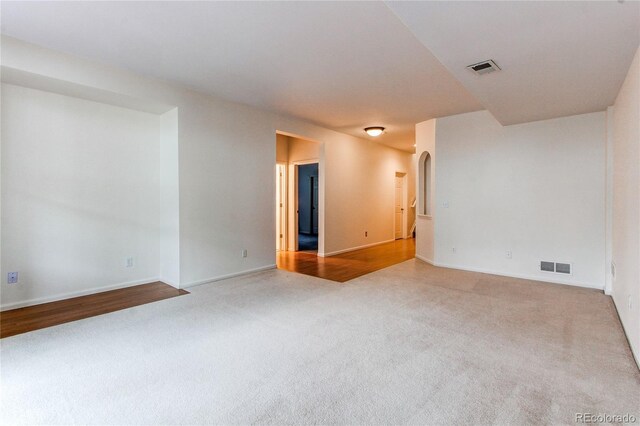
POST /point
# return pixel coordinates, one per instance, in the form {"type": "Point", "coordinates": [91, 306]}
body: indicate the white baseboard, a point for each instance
{"type": "Point", "coordinates": [424, 259]}
{"type": "Point", "coordinates": [522, 276]}
{"type": "Point", "coordinates": [333, 253]}
{"type": "Point", "coordinates": [227, 276]}
{"type": "Point", "coordinates": [504, 274]}
{"type": "Point", "coordinates": [636, 356]}
{"type": "Point", "coordinates": [71, 294]}
{"type": "Point", "coordinates": [170, 282]}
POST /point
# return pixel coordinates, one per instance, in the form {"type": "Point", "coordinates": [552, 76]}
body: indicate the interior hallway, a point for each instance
{"type": "Point", "coordinates": [350, 265]}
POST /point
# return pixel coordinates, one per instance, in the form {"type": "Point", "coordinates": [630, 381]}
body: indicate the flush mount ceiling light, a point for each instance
{"type": "Point", "coordinates": [374, 131]}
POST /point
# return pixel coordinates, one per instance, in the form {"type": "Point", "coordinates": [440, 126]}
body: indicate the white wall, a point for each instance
{"type": "Point", "coordinates": [84, 186]}
{"type": "Point", "coordinates": [426, 142]}
{"type": "Point", "coordinates": [302, 150]}
{"type": "Point", "coordinates": [226, 158]}
{"type": "Point", "coordinates": [626, 204]}
{"type": "Point", "coordinates": [169, 239]}
{"type": "Point", "coordinates": [535, 189]}
{"type": "Point", "coordinates": [282, 148]}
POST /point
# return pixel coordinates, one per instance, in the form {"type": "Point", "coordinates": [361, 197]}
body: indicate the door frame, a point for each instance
{"type": "Point", "coordinates": [293, 198]}
{"type": "Point", "coordinates": [284, 197]}
{"type": "Point", "coordinates": [321, 190]}
{"type": "Point", "coordinates": [404, 204]}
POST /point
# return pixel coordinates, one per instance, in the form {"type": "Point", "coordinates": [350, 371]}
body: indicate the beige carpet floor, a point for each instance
{"type": "Point", "coordinates": [410, 344]}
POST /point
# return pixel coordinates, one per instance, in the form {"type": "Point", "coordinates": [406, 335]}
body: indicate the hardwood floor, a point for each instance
{"type": "Point", "coordinates": [347, 266]}
{"type": "Point", "coordinates": [22, 320]}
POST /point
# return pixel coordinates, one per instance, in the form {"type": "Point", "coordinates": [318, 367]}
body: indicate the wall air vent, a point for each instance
{"type": "Point", "coordinates": [563, 268]}
{"type": "Point", "coordinates": [484, 67]}
{"type": "Point", "coordinates": [547, 266]}
{"type": "Point", "coordinates": [557, 267]}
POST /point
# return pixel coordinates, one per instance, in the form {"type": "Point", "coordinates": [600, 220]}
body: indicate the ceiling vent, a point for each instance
{"type": "Point", "coordinates": [484, 67]}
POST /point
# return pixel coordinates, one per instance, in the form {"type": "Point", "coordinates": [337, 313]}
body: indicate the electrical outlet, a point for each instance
{"type": "Point", "coordinates": [244, 253]}
{"type": "Point", "coordinates": [509, 254]}
{"type": "Point", "coordinates": [366, 234]}
{"type": "Point", "coordinates": [453, 249]}
{"type": "Point", "coordinates": [445, 204]}
{"type": "Point", "coordinates": [12, 278]}
{"type": "Point", "coordinates": [128, 262]}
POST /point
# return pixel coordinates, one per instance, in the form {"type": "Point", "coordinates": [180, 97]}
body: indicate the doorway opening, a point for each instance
{"type": "Point", "coordinates": [308, 207]}
{"type": "Point", "coordinates": [400, 206]}
{"type": "Point", "coordinates": [299, 195]}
